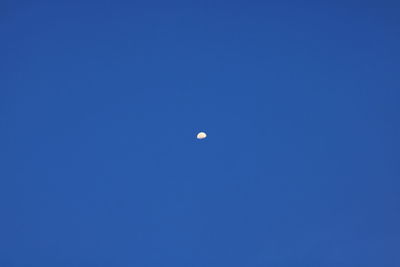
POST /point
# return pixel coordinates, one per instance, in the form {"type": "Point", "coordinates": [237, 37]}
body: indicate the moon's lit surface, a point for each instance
{"type": "Point", "coordinates": [201, 135]}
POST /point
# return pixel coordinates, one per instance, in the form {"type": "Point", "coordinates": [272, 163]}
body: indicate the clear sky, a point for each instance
{"type": "Point", "coordinates": [100, 104]}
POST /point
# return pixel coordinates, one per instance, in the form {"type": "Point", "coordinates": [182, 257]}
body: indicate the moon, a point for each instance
{"type": "Point", "coordinates": [201, 135]}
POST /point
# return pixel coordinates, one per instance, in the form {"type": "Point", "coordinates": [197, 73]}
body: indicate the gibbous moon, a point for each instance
{"type": "Point", "coordinates": [201, 135]}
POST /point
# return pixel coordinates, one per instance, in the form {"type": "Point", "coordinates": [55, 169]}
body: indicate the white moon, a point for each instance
{"type": "Point", "coordinates": [201, 135]}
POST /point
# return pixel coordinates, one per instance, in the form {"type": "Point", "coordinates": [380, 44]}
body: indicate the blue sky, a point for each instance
{"type": "Point", "coordinates": [100, 104]}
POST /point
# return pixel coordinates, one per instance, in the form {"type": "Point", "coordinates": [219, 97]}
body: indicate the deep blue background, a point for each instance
{"type": "Point", "coordinates": [100, 104]}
